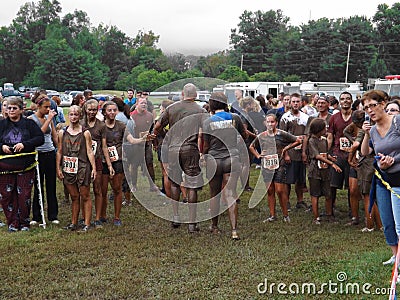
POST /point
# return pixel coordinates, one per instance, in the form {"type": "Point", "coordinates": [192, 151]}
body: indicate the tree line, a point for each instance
{"type": "Point", "coordinates": [41, 48]}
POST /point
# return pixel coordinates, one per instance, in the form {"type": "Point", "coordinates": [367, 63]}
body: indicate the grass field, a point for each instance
{"type": "Point", "coordinates": [146, 259]}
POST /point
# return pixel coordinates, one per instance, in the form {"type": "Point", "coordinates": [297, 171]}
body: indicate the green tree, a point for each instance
{"type": "Point", "coordinates": [291, 78]}
{"type": "Point", "coordinates": [129, 80]}
{"type": "Point", "coordinates": [265, 76]}
{"type": "Point", "coordinates": [377, 68]}
{"type": "Point", "coordinates": [57, 65]}
{"type": "Point", "coordinates": [213, 65]}
{"type": "Point", "coordinates": [233, 74]}
{"type": "Point", "coordinates": [320, 49]}
{"type": "Point", "coordinates": [253, 36]}
{"type": "Point", "coordinates": [387, 21]}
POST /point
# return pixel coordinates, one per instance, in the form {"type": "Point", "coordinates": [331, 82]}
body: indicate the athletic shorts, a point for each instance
{"type": "Point", "coordinates": [186, 162]}
{"type": "Point", "coordinates": [117, 166]}
{"type": "Point", "coordinates": [296, 173]}
{"type": "Point", "coordinates": [221, 166]}
{"type": "Point", "coordinates": [338, 180]}
{"type": "Point", "coordinates": [319, 188]}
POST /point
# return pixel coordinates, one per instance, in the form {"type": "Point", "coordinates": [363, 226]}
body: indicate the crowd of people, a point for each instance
{"type": "Point", "coordinates": [335, 143]}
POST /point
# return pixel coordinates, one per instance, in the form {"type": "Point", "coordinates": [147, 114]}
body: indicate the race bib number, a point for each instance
{"type": "Point", "coordinates": [94, 147]}
{"type": "Point", "coordinates": [270, 162]}
{"type": "Point", "coordinates": [298, 147]}
{"type": "Point", "coordinates": [321, 164]}
{"type": "Point", "coordinates": [112, 152]}
{"type": "Point", "coordinates": [344, 143]}
{"type": "Point", "coordinates": [70, 165]}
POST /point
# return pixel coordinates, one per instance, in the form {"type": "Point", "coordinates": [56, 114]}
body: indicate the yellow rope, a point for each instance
{"type": "Point", "coordinates": [17, 154]}
{"type": "Point", "coordinates": [386, 184]}
{"type": "Point", "coordinates": [34, 164]}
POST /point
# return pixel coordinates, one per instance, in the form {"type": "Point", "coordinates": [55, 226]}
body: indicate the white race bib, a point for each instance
{"type": "Point", "coordinates": [112, 152]}
{"type": "Point", "coordinates": [70, 165]}
{"type": "Point", "coordinates": [270, 162]}
{"type": "Point", "coordinates": [94, 147]}
{"type": "Point", "coordinates": [344, 143]}
{"type": "Point", "coordinates": [321, 164]}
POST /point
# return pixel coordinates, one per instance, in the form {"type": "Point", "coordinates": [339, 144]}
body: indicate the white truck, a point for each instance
{"type": "Point", "coordinates": [390, 85]}
{"type": "Point", "coordinates": [331, 88]}
{"type": "Point", "coordinates": [260, 88]}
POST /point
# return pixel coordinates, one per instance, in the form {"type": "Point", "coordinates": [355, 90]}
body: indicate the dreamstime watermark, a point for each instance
{"type": "Point", "coordinates": [340, 286]}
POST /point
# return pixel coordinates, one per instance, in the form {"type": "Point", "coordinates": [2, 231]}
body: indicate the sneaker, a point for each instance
{"type": "Point", "coordinates": [175, 222]}
{"type": "Point", "coordinates": [11, 228]}
{"type": "Point", "coordinates": [55, 222]}
{"type": "Point", "coordinates": [2, 224]}
{"type": "Point", "coordinates": [81, 222]}
{"type": "Point", "coordinates": [301, 204]}
{"type": "Point", "coordinates": [258, 167]}
{"type": "Point", "coordinates": [117, 222]}
{"type": "Point", "coordinates": [98, 224]}
{"type": "Point", "coordinates": [71, 227]}
{"type": "Point", "coordinates": [390, 261]}
{"type": "Point", "coordinates": [33, 223]}
{"type": "Point", "coordinates": [286, 219]}
{"type": "Point", "coordinates": [192, 228]}
{"type": "Point", "coordinates": [289, 207]}
{"type": "Point", "coordinates": [248, 189]}
{"type": "Point", "coordinates": [270, 219]}
{"type": "Point", "coordinates": [317, 221]}
{"type": "Point", "coordinates": [366, 229]}
{"type": "Point", "coordinates": [25, 228]}
{"type": "Point", "coordinates": [84, 229]}
{"type": "Point", "coordinates": [214, 230]}
{"type": "Point", "coordinates": [354, 221]}
{"type": "Point", "coordinates": [235, 236]}
{"type": "Point", "coordinates": [103, 220]}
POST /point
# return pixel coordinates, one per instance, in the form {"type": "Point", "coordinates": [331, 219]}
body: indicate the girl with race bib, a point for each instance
{"type": "Point", "coordinates": [115, 135]}
{"type": "Point", "coordinates": [274, 145]}
{"type": "Point", "coordinates": [318, 169]}
{"type": "Point", "coordinates": [76, 166]}
{"type": "Point", "coordinates": [97, 130]}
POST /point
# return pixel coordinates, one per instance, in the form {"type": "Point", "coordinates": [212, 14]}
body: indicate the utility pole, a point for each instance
{"type": "Point", "coordinates": [347, 64]}
{"type": "Point", "coordinates": [241, 63]}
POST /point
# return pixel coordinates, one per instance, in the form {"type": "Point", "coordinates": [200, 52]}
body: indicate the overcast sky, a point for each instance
{"type": "Point", "coordinates": [196, 27]}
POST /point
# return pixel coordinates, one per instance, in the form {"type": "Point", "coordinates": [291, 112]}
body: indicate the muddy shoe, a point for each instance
{"type": "Point", "coordinates": [192, 228]}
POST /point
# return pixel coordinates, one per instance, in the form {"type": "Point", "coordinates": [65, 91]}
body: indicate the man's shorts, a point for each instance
{"type": "Point", "coordinates": [340, 179]}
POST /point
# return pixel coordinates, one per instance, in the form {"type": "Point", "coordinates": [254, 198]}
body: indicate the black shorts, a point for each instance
{"type": "Point", "coordinates": [221, 166]}
{"type": "Point", "coordinates": [186, 162]}
{"type": "Point", "coordinates": [117, 166]}
{"type": "Point", "coordinates": [296, 173]}
{"type": "Point", "coordinates": [319, 188]}
{"type": "Point", "coordinates": [278, 175]}
{"type": "Point", "coordinates": [338, 180]}
{"type": "Point", "coordinates": [353, 173]}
